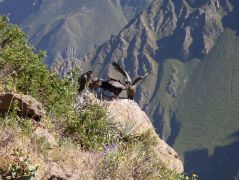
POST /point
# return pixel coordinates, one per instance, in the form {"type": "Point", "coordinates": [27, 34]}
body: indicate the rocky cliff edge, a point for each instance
{"type": "Point", "coordinates": [127, 113]}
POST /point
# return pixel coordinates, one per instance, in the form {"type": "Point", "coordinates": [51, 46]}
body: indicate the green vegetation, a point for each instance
{"type": "Point", "coordinates": [91, 128]}
{"type": "Point", "coordinates": [86, 127]}
{"type": "Point", "coordinates": [135, 162]}
{"type": "Point", "coordinates": [21, 167]}
{"type": "Point", "coordinates": [210, 101]}
{"type": "Point", "coordinates": [22, 70]}
{"type": "Point", "coordinates": [163, 103]}
{"type": "Point", "coordinates": [205, 109]}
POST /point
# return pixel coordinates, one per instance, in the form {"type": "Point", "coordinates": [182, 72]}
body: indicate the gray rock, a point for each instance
{"type": "Point", "coordinates": [127, 114]}
{"type": "Point", "coordinates": [128, 117]}
{"type": "Point", "coordinates": [26, 105]}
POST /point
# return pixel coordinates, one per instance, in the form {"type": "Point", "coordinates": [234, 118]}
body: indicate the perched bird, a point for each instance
{"type": "Point", "coordinates": [95, 83]}
{"type": "Point", "coordinates": [113, 85]}
{"type": "Point", "coordinates": [130, 85]}
{"type": "Point", "coordinates": [84, 80]}
{"type": "Point", "coordinates": [131, 88]}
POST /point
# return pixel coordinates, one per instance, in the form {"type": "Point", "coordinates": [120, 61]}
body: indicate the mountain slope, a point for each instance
{"type": "Point", "coordinates": [68, 29]}
{"type": "Point", "coordinates": [166, 30]}
{"type": "Point", "coordinates": [208, 108]}
{"type": "Point", "coordinates": [191, 51]}
{"type": "Point", "coordinates": [212, 94]}
{"type": "Point", "coordinates": [210, 105]}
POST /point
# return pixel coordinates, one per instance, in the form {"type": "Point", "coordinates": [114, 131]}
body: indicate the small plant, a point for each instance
{"type": "Point", "coordinates": [12, 120]}
{"type": "Point", "coordinates": [109, 162]}
{"type": "Point", "coordinates": [192, 177]}
{"type": "Point", "coordinates": [21, 167]}
{"type": "Point", "coordinates": [91, 128]}
{"type": "Point", "coordinates": [42, 145]}
{"type": "Point", "coordinates": [26, 126]}
{"type": "Point", "coordinates": [135, 162]}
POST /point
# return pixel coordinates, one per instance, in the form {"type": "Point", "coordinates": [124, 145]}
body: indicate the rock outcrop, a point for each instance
{"type": "Point", "coordinates": [26, 105]}
{"type": "Point", "coordinates": [127, 114]}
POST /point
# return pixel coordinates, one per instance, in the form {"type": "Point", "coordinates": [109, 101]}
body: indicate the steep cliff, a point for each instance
{"type": "Point", "coordinates": [127, 114]}
{"type": "Point", "coordinates": [183, 30]}
{"type": "Point", "coordinates": [190, 50]}
{"type": "Point", "coordinates": [190, 30]}
{"type": "Point", "coordinates": [58, 157]}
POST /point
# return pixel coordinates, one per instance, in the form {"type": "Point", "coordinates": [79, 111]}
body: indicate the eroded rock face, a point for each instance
{"type": "Point", "coordinates": [167, 29]}
{"type": "Point", "coordinates": [25, 104]}
{"type": "Point", "coordinates": [127, 113]}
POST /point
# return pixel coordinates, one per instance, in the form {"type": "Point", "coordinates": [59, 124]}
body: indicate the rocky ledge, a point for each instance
{"type": "Point", "coordinates": [127, 113]}
{"type": "Point", "coordinates": [26, 105]}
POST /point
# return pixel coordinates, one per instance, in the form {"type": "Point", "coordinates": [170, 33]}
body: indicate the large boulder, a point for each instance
{"type": "Point", "coordinates": [26, 105]}
{"type": "Point", "coordinates": [127, 113]}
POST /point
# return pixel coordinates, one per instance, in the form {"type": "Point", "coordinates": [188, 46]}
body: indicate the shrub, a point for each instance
{"type": "Point", "coordinates": [22, 70]}
{"type": "Point", "coordinates": [136, 162]}
{"type": "Point", "coordinates": [41, 144]}
{"type": "Point", "coordinates": [91, 128]}
{"type": "Point", "coordinates": [21, 167]}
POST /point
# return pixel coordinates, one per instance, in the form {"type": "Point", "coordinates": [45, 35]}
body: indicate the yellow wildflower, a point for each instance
{"type": "Point", "coordinates": [194, 175]}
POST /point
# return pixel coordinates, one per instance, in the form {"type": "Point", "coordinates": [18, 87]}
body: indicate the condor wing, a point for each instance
{"type": "Point", "coordinates": [121, 70]}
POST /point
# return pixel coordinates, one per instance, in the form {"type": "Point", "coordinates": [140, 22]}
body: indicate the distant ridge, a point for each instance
{"type": "Point", "coordinates": [69, 29]}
